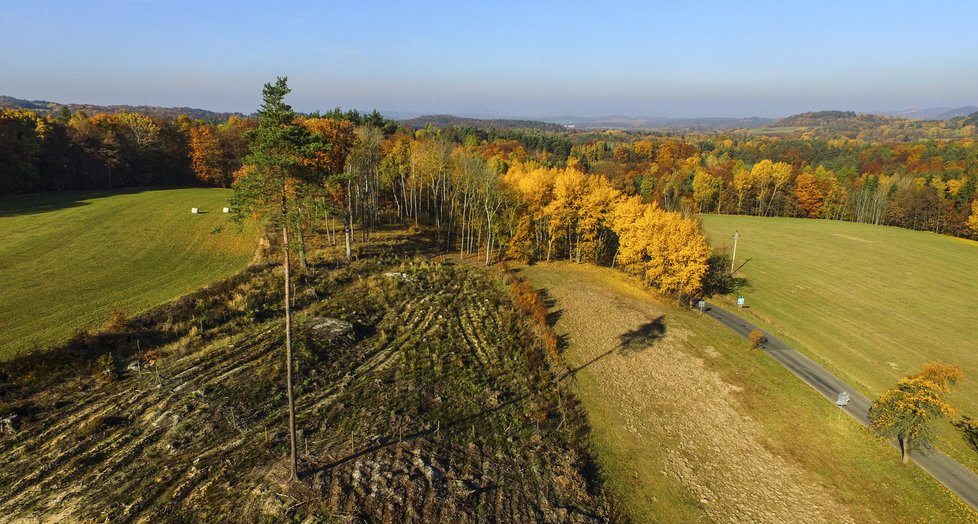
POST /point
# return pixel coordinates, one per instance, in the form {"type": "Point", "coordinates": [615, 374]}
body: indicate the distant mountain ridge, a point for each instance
{"type": "Point", "coordinates": [677, 124]}
{"type": "Point", "coordinates": [482, 116]}
{"type": "Point", "coordinates": [45, 107]}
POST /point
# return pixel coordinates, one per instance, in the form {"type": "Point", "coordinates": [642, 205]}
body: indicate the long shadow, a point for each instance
{"type": "Point", "coordinates": [741, 284]}
{"type": "Point", "coordinates": [969, 430]}
{"type": "Point", "coordinates": [643, 336]}
{"type": "Point", "coordinates": [387, 441]}
{"type": "Point", "coordinates": [37, 203]}
{"type": "Point", "coordinates": [554, 314]}
{"type": "Point", "coordinates": [635, 340]}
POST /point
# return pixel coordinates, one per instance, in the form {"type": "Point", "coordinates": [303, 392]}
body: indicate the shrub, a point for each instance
{"type": "Point", "coordinates": [532, 304]}
{"type": "Point", "coordinates": [117, 321]}
{"type": "Point", "coordinates": [756, 338]}
{"type": "Point", "coordinates": [105, 368]}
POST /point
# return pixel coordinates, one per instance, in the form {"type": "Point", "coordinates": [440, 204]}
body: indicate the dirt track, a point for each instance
{"type": "Point", "coordinates": [677, 408]}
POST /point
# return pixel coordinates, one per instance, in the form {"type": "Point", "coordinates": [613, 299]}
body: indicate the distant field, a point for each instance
{"type": "Point", "coordinates": [871, 303]}
{"type": "Point", "coordinates": [68, 260]}
{"type": "Point", "coordinates": [779, 130]}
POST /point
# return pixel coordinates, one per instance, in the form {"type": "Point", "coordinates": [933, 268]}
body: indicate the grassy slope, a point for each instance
{"type": "Point", "coordinates": [870, 303]}
{"type": "Point", "coordinates": [634, 433]}
{"type": "Point", "coordinates": [67, 260]}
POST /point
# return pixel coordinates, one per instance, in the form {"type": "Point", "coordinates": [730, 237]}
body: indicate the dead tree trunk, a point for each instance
{"type": "Point", "coordinates": [347, 231]}
{"type": "Point", "coordinates": [302, 248]}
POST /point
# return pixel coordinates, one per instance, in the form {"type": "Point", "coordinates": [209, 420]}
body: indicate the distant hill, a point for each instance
{"type": "Point", "coordinates": [497, 123]}
{"type": "Point", "coordinates": [9, 102]}
{"type": "Point", "coordinates": [45, 107]}
{"type": "Point", "coordinates": [970, 120]}
{"type": "Point", "coordinates": [834, 119]}
{"type": "Point", "coordinates": [867, 126]}
{"type": "Point", "coordinates": [954, 113]}
{"type": "Point", "coordinates": [848, 123]}
{"type": "Point", "coordinates": [933, 113]}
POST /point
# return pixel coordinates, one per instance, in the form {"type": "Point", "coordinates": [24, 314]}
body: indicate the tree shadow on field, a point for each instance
{"type": "Point", "coordinates": [642, 337]}
{"type": "Point", "coordinates": [632, 341]}
{"type": "Point", "coordinates": [550, 302]}
{"type": "Point", "coordinates": [37, 203]}
{"type": "Point", "coordinates": [969, 430]}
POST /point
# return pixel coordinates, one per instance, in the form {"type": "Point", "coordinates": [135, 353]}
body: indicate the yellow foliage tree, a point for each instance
{"type": "Point", "coordinates": [907, 412]}
{"type": "Point", "coordinates": [973, 219]}
{"type": "Point", "coordinates": [767, 178]}
{"type": "Point", "coordinates": [669, 252]}
{"type": "Point", "coordinates": [706, 189]}
{"type": "Point", "coordinates": [678, 256]}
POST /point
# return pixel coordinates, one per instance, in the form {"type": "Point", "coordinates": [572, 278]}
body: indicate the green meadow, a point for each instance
{"type": "Point", "coordinates": [69, 260]}
{"type": "Point", "coordinates": [870, 303]}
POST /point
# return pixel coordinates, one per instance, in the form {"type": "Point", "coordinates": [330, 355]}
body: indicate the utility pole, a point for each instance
{"type": "Point", "coordinates": [733, 259]}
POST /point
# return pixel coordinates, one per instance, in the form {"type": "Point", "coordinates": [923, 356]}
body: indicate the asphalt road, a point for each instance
{"type": "Point", "coordinates": [955, 477]}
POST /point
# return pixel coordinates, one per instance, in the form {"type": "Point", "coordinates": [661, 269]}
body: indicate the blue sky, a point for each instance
{"type": "Point", "coordinates": [526, 58]}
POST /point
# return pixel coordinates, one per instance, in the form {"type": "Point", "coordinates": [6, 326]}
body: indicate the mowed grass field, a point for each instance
{"type": "Point", "coordinates": [871, 303]}
{"type": "Point", "coordinates": [69, 260]}
{"type": "Point", "coordinates": [690, 425]}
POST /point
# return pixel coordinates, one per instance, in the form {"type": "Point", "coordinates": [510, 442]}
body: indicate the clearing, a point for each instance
{"type": "Point", "coordinates": [68, 260]}
{"type": "Point", "coordinates": [422, 395]}
{"type": "Point", "coordinates": [690, 425]}
{"type": "Point", "coordinates": [869, 303]}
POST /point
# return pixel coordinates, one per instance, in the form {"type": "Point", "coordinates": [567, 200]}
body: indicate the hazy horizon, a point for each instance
{"type": "Point", "coordinates": [532, 61]}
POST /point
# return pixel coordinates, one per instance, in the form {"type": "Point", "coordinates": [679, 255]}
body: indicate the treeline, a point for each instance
{"type": "Point", "coordinates": [65, 151]}
{"type": "Point", "coordinates": [454, 178]}
{"type": "Point", "coordinates": [91, 152]}
{"type": "Point", "coordinates": [924, 185]}
{"type": "Point", "coordinates": [493, 200]}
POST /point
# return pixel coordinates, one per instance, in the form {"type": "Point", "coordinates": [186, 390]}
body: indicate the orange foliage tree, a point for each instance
{"type": "Point", "coordinates": [809, 196]}
{"type": "Point", "coordinates": [206, 155]}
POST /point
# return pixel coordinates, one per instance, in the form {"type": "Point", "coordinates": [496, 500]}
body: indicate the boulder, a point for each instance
{"type": "Point", "coordinates": [396, 275]}
{"type": "Point", "coordinates": [329, 329]}
{"type": "Point", "coordinates": [9, 424]}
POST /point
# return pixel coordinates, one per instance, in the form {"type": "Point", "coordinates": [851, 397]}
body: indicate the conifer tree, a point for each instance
{"type": "Point", "coordinates": [267, 188]}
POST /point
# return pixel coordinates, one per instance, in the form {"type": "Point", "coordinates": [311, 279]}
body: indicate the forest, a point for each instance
{"type": "Point", "coordinates": [531, 194]}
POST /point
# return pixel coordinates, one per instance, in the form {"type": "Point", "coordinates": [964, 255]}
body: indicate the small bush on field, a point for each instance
{"type": "Point", "coordinates": [508, 277]}
{"type": "Point", "coordinates": [148, 358]}
{"type": "Point", "coordinates": [529, 301]}
{"type": "Point", "coordinates": [117, 321]}
{"type": "Point", "coordinates": [105, 368]}
{"type": "Point", "coordinates": [756, 339]}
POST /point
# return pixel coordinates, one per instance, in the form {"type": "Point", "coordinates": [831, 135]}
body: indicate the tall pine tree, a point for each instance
{"type": "Point", "coordinates": [267, 188]}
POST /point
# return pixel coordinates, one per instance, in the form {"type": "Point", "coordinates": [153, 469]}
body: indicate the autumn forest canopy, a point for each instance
{"type": "Point", "coordinates": [612, 197]}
